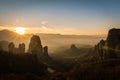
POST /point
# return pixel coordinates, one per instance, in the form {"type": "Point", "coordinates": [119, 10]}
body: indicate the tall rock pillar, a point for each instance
{"type": "Point", "coordinates": [35, 46]}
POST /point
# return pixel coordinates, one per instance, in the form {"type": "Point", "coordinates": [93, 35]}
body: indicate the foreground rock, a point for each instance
{"type": "Point", "coordinates": [109, 48]}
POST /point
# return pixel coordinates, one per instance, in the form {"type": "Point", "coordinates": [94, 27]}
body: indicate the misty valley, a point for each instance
{"type": "Point", "coordinates": [59, 39]}
{"type": "Point", "coordinates": [59, 57]}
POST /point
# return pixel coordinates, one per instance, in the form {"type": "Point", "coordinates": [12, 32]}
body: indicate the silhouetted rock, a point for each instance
{"type": "Point", "coordinates": [16, 51]}
{"type": "Point", "coordinates": [21, 48]}
{"type": "Point", "coordinates": [113, 40]}
{"type": "Point", "coordinates": [73, 47]}
{"type": "Point", "coordinates": [11, 47]}
{"type": "Point", "coordinates": [45, 51]}
{"type": "Point", "coordinates": [74, 51]}
{"type": "Point", "coordinates": [35, 46]}
{"type": "Point", "coordinates": [100, 49]}
{"type": "Point", "coordinates": [109, 48]}
{"type": "Point", "coordinates": [117, 50]}
{"type": "Point", "coordinates": [45, 57]}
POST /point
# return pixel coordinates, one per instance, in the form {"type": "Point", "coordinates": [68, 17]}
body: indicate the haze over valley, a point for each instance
{"type": "Point", "coordinates": [59, 39]}
{"type": "Point", "coordinates": [54, 41]}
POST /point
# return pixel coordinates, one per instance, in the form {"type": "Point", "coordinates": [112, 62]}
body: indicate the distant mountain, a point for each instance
{"type": "Point", "coordinates": [74, 52]}
{"type": "Point", "coordinates": [53, 41]}
{"type": "Point", "coordinates": [6, 35]}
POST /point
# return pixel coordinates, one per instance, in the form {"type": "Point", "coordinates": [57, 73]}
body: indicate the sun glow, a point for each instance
{"type": "Point", "coordinates": [20, 30]}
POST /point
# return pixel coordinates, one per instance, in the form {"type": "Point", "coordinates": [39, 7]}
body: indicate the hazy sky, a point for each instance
{"type": "Point", "coordinates": [61, 16]}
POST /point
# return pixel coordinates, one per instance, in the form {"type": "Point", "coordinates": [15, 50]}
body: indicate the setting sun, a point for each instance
{"type": "Point", "coordinates": [20, 30]}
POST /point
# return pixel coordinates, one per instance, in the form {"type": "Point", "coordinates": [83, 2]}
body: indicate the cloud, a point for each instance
{"type": "Point", "coordinates": [44, 22]}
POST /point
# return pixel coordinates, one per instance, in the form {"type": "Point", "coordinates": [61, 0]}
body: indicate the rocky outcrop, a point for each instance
{"type": "Point", "coordinates": [73, 47]}
{"type": "Point", "coordinates": [15, 50]}
{"type": "Point", "coordinates": [113, 37]}
{"type": "Point", "coordinates": [11, 47]}
{"type": "Point", "coordinates": [21, 48]}
{"type": "Point", "coordinates": [113, 40]}
{"type": "Point", "coordinates": [111, 47]}
{"type": "Point", "coordinates": [35, 46]}
{"type": "Point", "coordinates": [45, 51]}
{"type": "Point", "coordinates": [100, 49]}
{"type": "Point", "coordinates": [117, 50]}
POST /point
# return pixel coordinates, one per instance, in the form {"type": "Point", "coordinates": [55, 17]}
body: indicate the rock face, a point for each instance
{"type": "Point", "coordinates": [35, 45]}
{"type": "Point", "coordinates": [100, 49]}
{"type": "Point", "coordinates": [45, 51]}
{"type": "Point", "coordinates": [19, 50]}
{"type": "Point", "coordinates": [113, 40]}
{"type": "Point", "coordinates": [11, 47]}
{"type": "Point", "coordinates": [73, 47]}
{"type": "Point", "coordinates": [111, 47]}
{"type": "Point", "coordinates": [117, 50]}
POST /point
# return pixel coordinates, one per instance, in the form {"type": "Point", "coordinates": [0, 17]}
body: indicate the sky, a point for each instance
{"type": "Point", "coordinates": [81, 17]}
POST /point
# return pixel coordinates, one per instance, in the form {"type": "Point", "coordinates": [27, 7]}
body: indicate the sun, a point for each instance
{"type": "Point", "coordinates": [20, 30]}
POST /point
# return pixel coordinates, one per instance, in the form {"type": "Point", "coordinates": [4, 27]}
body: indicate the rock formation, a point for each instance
{"type": "Point", "coordinates": [11, 47]}
{"type": "Point", "coordinates": [35, 46]}
{"type": "Point", "coordinates": [100, 49]}
{"type": "Point", "coordinates": [113, 40]}
{"type": "Point", "coordinates": [21, 48]}
{"type": "Point", "coordinates": [117, 50]}
{"type": "Point", "coordinates": [15, 50]}
{"type": "Point", "coordinates": [111, 47]}
{"type": "Point", "coordinates": [73, 47]}
{"type": "Point", "coordinates": [45, 51]}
